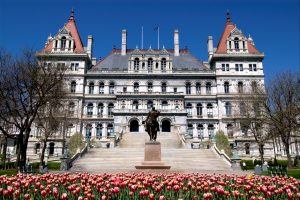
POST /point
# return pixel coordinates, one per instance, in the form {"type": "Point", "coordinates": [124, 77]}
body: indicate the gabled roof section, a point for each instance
{"type": "Point", "coordinates": [71, 28]}
{"type": "Point", "coordinates": [230, 28]}
{"type": "Point", "coordinates": [116, 62]}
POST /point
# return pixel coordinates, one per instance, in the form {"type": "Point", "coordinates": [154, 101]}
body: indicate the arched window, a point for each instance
{"type": "Point", "coordinates": [236, 43]}
{"type": "Point", "coordinates": [200, 130]}
{"type": "Point", "coordinates": [100, 109]}
{"type": "Point", "coordinates": [199, 110]}
{"type": "Point", "coordinates": [189, 109]}
{"type": "Point", "coordinates": [254, 86]}
{"type": "Point", "coordinates": [111, 88]}
{"type": "Point", "coordinates": [240, 87]}
{"type": "Point", "coordinates": [149, 104]}
{"type": "Point", "coordinates": [135, 105]}
{"type": "Point", "coordinates": [70, 129]}
{"type": "Point", "coordinates": [71, 108]}
{"type": "Point", "coordinates": [110, 109]}
{"type": "Point", "coordinates": [242, 109]}
{"type": "Point", "coordinates": [90, 109]}
{"type": "Point", "coordinates": [247, 148]}
{"type": "Point", "coordinates": [163, 64]}
{"type": "Point", "coordinates": [63, 42]}
{"type": "Point", "coordinates": [73, 87]}
{"type": "Point", "coordinates": [188, 88]}
{"type": "Point", "coordinates": [256, 109]}
{"type": "Point", "coordinates": [208, 88]}
{"type": "Point", "coordinates": [211, 131]}
{"type": "Point", "coordinates": [150, 65]}
{"type": "Point", "coordinates": [229, 130]}
{"type": "Point", "coordinates": [99, 129]}
{"type": "Point", "coordinates": [136, 87]}
{"type": "Point", "coordinates": [110, 130]}
{"type": "Point", "coordinates": [190, 129]}
{"type": "Point", "coordinates": [150, 87]}
{"type": "Point", "coordinates": [226, 87]}
{"type": "Point", "coordinates": [88, 131]}
{"type": "Point", "coordinates": [101, 88]}
{"type": "Point", "coordinates": [164, 105]}
{"type": "Point", "coordinates": [136, 64]}
{"type": "Point", "coordinates": [91, 88]}
{"type": "Point", "coordinates": [228, 108]}
{"type": "Point", "coordinates": [164, 87]}
{"type": "Point", "coordinates": [198, 88]}
{"type": "Point", "coordinates": [209, 108]}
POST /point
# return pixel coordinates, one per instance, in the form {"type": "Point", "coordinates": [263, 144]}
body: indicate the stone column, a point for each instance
{"type": "Point", "coordinates": [93, 135]}
{"type": "Point", "coordinates": [105, 110]}
{"type": "Point", "coordinates": [104, 131]}
{"type": "Point", "coordinates": [94, 110]}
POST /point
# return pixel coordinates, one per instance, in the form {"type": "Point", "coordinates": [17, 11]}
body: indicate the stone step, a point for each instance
{"type": "Point", "coordinates": [125, 159]}
{"type": "Point", "coordinates": [133, 140]}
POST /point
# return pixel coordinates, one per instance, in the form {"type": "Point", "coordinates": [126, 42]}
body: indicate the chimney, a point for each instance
{"type": "Point", "coordinates": [176, 43]}
{"type": "Point", "coordinates": [210, 46]}
{"type": "Point", "coordinates": [124, 38]}
{"type": "Point", "coordinates": [89, 48]}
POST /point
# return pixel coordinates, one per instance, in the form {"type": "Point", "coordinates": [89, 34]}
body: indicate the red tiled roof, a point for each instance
{"type": "Point", "coordinates": [70, 26]}
{"type": "Point", "coordinates": [222, 47]}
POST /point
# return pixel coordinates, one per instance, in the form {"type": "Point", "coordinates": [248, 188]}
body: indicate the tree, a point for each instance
{"type": "Point", "coordinates": [26, 85]}
{"type": "Point", "coordinates": [283, 108]}
{"type": "Point", "coordinates": [76, 142]}
{"type": "Point", "coordinates": [223, 143]}
{"type": "Point", "coordinates": [252, 116]}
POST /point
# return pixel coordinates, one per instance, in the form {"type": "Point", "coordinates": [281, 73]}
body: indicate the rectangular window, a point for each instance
{"type": "Point", "coordinates": [76, 66]}
{"type": "Point", "coordinates": [227, 67]}
{"type": "Point", "coordinates": [254, 67]}
{"type": "Point", "coordinates": [250, 67]}
{"type": "Point", "coordinates": [223, 67]}
{"type": "Point", "coordinates": [124, 89]}
{"type": "Point", "coordinates": [72, 66]}
{"type": "Point", "coordinates": [237, 67]}
{"type": "Point", "coordinates": [175, 90]}
{"type": "Point", "coordinates": [241, 67]}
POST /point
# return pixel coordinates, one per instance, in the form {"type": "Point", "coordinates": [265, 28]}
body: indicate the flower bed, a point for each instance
{"type": "Point", "coordinates": [147, 186]}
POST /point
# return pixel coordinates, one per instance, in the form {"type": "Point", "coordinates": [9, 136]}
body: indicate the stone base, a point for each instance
{"type": "Point", "coordinates": [152, 157]}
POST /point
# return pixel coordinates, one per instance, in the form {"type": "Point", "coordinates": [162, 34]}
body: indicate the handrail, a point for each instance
{"type": "Point", "coordinates": [78, 155]}
{"type": "Point", "coordinates": [222, 154]}
{"type": "Point", "coordinates": [180, 136]}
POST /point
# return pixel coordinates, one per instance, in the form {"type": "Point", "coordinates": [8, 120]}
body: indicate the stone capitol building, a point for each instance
{"type": "Point", "coordinates": [111, 97]}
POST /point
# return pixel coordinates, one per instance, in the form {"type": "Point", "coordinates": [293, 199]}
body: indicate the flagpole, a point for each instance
{"type": "Point", "coordinates": [158, 37]}
{"type": "Point", "coordinates": [142, 37]}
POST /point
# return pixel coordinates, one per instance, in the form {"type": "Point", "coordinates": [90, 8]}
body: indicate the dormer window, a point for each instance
{"type": "Point", "coordinates": [236, 43]}
{"type": "Point", "coordinates": [63, 42]}
{"type": "Point", "coordinates": [150, 64]}
{"type": "Point", "coordinates": [163, 64]}
{"type": "Point", "coordinates": [136, 64]}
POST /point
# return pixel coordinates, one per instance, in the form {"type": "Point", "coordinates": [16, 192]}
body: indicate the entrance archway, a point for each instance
{"type": "Point", "coordinates": [166, 126]}
{"type": "Point", "coordinates": [134, 126]}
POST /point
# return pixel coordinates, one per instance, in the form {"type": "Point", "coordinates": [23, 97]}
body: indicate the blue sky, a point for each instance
{"type": "Point", "coordinates": [273, 24]}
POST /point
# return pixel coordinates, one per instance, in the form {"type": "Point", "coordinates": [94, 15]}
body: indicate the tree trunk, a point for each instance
{"type": "Point", "coordinates": [4, 152]}
{"type": "Point", "coordinates": [261, 153]}
{"type": "Point", "coordinates": [288, 155]}
{"type": "Point", "coordinates": [23, 148]}
{"type": "Point", "coordinates": [43, 152]}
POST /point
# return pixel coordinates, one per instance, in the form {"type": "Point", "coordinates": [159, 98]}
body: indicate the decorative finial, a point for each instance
{"type": "Point", "coordinates": [72, 14]}
{"type": "Point", "coordinates": [136, 47]}
{"type": "Point", "coordinates": [150, 47]}
{"type": "Point", "coordinates": [228, 16]}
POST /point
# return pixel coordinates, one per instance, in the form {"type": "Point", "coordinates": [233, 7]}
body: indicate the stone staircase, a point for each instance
{"type": "Point", "coordinates": [138, 139]}
{"type": "Point", "coordinates": [130, 152]}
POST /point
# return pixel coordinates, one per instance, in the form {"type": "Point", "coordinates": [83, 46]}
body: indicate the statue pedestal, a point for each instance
{"type": "Point", "coordinates": [152, 157]}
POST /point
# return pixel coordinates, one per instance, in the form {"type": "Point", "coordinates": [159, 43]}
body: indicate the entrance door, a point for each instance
{"type": "Point", "coordinates": [134, 126]}
{"type": "Point", "coordinates": [51, 148]}
{"type": "Point", "coordinates": [166, 126]}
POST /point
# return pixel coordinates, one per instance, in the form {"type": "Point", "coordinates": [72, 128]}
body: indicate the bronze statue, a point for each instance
{"type": "Point", "coordinates": [152, 125]}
